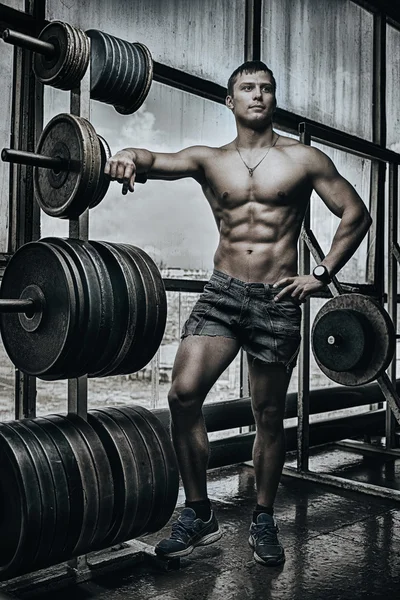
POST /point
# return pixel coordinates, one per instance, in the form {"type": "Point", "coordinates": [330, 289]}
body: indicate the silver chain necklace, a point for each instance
{"type": "Point", "coordinates": [252, 169]}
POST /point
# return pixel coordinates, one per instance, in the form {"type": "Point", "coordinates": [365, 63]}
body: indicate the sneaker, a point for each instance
{"type": "Point", "coordinates": [187, 533]}
{"type": "Point", "coordinates": [264, 541]}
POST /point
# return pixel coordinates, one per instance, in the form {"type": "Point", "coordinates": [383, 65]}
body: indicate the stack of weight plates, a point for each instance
{"type": "Point", "coordinates": [104, 309]}
{"type": "Point", "coordinates": [66, 68]}
{"type": "Point", "coordinates": [121, 71]}
{"type": "Point", "coordinates": [70, 486]}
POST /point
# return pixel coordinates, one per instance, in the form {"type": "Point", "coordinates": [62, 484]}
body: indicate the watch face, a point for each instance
{"type": "Point", "coordinates": [319, 271]}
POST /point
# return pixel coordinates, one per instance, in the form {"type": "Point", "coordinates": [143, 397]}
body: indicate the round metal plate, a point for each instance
{"type": "Point", "coordinates": [144, 490]}
{"type": "Point", "coordinates": [104, 182]}
{"type": "Point", "coordinates": [123, 318]}
{"type": "Point", "coordinates": [133, 338]}
{"type": "Point", "coordinates": [21, 510]}
{"type": "Point", "coordinates": [340, 340]}
{"type": "Point", "coordinates": [157, 466]}
{"type": "Point", "coordinates": [88, 476]}
{"type": "Point", "coordinates": [124, 475]}
{"type": "Point", "coordinates": [166, 474]}
{"type": "Point", "coordinates": [133, 101]}
{"type": "Point", "coordinates": [47, 493]}
{"type": "Point", "coordinates": [60, 487]}
{"type": "Point", "coordinates": [62, 194]}
{"type": "Point", "coordinates": [380, 339]}
{"type": "Point", "coordinates": [43, 350]}
{"type": "Point", "coordinates": [51, 70]}
{"type": "Point", "coordinates": [92, 319]}
{"type": "Point", "coordinates": [156, 302]}
{"type": "Point", "coordinates": [105, 486]}
{"type": "Point", "coordinates": [75, 495]}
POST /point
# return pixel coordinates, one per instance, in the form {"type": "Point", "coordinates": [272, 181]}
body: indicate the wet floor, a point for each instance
{"type": "Point", "coordinates": [339, 545]}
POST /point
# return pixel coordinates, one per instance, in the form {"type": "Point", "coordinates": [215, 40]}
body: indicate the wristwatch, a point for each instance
{"type": "Point", "coordinates": [322, 274]}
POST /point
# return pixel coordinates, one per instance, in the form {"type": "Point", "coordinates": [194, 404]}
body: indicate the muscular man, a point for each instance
{"type": "Point", "coordinates": [258, 187]}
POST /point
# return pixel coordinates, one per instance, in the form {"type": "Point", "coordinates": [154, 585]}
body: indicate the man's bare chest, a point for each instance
{"type": "Point", "coordinates": [277, 182]}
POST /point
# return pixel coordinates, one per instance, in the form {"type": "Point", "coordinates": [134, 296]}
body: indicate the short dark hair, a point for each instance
{"type": "Point", "coordinates": [250, 66]}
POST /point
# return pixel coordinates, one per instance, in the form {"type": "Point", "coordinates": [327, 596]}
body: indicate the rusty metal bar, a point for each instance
{"type": "Point", "coordinates": [344, 484]}
{"type": "Point", "coordinates": [316, 251]}
{"type": "Point", "coordinates": [28, 42]}
{"type": "Point", "coordinates": [303, 392]}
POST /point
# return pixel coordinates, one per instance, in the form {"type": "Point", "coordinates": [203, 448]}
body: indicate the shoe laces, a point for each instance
{"type": "Point", "coordinates": [181, 529]}
{"type": "Point", "coordinates": [265, 533]}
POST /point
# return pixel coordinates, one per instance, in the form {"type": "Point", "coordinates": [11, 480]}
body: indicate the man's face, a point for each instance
{"type": "Point", "coordinates": [253, 99]}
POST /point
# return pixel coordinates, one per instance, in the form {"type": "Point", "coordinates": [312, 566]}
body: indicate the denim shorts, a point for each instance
{"type": "Point", "coordinates": [266, 330]}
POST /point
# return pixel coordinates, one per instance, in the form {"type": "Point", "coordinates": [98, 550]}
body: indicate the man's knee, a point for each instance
{"type": "Point", "coordinates": [184, 401]}
{"type": "Point", "coordinates": [269, 418]}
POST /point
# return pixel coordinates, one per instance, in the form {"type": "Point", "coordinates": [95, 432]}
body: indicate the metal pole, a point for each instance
{"type": "Point", "coordinates": [39, 160]}
{"type": "Point", "coordinates": [28, 42]}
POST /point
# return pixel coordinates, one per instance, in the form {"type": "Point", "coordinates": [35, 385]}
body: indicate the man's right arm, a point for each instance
{"type": "Point", "coordinates": [125, 164]}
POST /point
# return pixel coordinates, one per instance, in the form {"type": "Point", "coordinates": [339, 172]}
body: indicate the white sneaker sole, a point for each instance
{"type": "Point", "coordinates": [205, 541]}
{"type": "Point", "coordinates": [273, 562]}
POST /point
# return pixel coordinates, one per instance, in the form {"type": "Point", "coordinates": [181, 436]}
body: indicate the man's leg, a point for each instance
{"type": "Point", "coordinates": [268, 387]}
{"type": "Point", "coordinates": [199, 362]}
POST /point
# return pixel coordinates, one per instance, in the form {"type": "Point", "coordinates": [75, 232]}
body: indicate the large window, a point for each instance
{"type": "Point", "coordinates": [357, 171]}
{"type": "Point", "coordinates": [321, 55]}
{"type": "Point", "coordinates": [171, 220]}
{"type": "Point", "coordinates": [202, 37]}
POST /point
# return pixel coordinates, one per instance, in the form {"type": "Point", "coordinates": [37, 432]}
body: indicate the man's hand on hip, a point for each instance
{"type": "Point", "coordinates": [299, 287]}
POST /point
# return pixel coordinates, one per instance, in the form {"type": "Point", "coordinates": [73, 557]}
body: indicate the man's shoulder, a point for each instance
{"type": "Point", "coordinates": [308, 155]}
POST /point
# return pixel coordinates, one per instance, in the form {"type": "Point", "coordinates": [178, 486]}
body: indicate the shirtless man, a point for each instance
{"type": "Point", "coordinates": [258, 187]}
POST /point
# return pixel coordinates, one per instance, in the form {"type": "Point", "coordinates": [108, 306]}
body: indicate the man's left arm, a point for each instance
{"type": "Point", "coordinates": [344, 202]}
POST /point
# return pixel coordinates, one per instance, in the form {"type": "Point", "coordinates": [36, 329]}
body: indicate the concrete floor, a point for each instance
{"type": "Point", "coordinates": [339, 545]}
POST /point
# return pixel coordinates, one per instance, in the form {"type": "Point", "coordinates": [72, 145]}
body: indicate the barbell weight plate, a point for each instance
{"type": "Point", "coordinates": [47, 493]}
{"type": "Point", "coordinates": [44, 349]}
{"type": "Point", "coordinates": [124, 75]}
{"type": "Point", "coordinates": [99, 355]}
{"type": "Point", "coordinates": [166, 475]}
{"type": "Point", "coordinates": [20, 514]}
{"type": "Point", "coordinates": [156, 303]}
{"type": "Point", "coordinates": [133, 338]}
{"type": "Point", "coordinates": [156, 461]}
{"type": "Point", "coordinates": [67, 194]}
{"type": "Point", "coordinates": [135, 97]}
{"type": "Point", "coordinates": [88, 485]}
{"type": "Point", "coordinates": [47, 70]}
{"type": "Point", "coordinates": [66, 75]}
{"type": "Point", "coordinates": [117, 67]}
{"type": "Point", "coordinates": [104, 182]}
{"type": "Point", "coordinates": [150, 317]}
{"type": "Point", "coordinates": [124, 474]}
{"type": "Point", "coordinates": [60, 486]}
{"type": "Point", "coordinates": [104, 479]}
{"type": "Point", "coordinates": [341, 339]}
{"type": "Point", "coordinates": [133, 80]}
{"type": "Point", "coordinates": [75, 347]}
{"type": "Point", "coordinates": [378, 355]}
{"type": "Point", "coordinates": [124, 313]}
{"type": "Point", "coordinates": [139, 521]}
{"type": "Point", "coordinates": [85, 339]}
{"type": "Point", "coordinates": [72, 472]}
{"type": "Point", "coordinates": [170, 461]}
{"type": "Point", "coordinates": [101, 63]}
